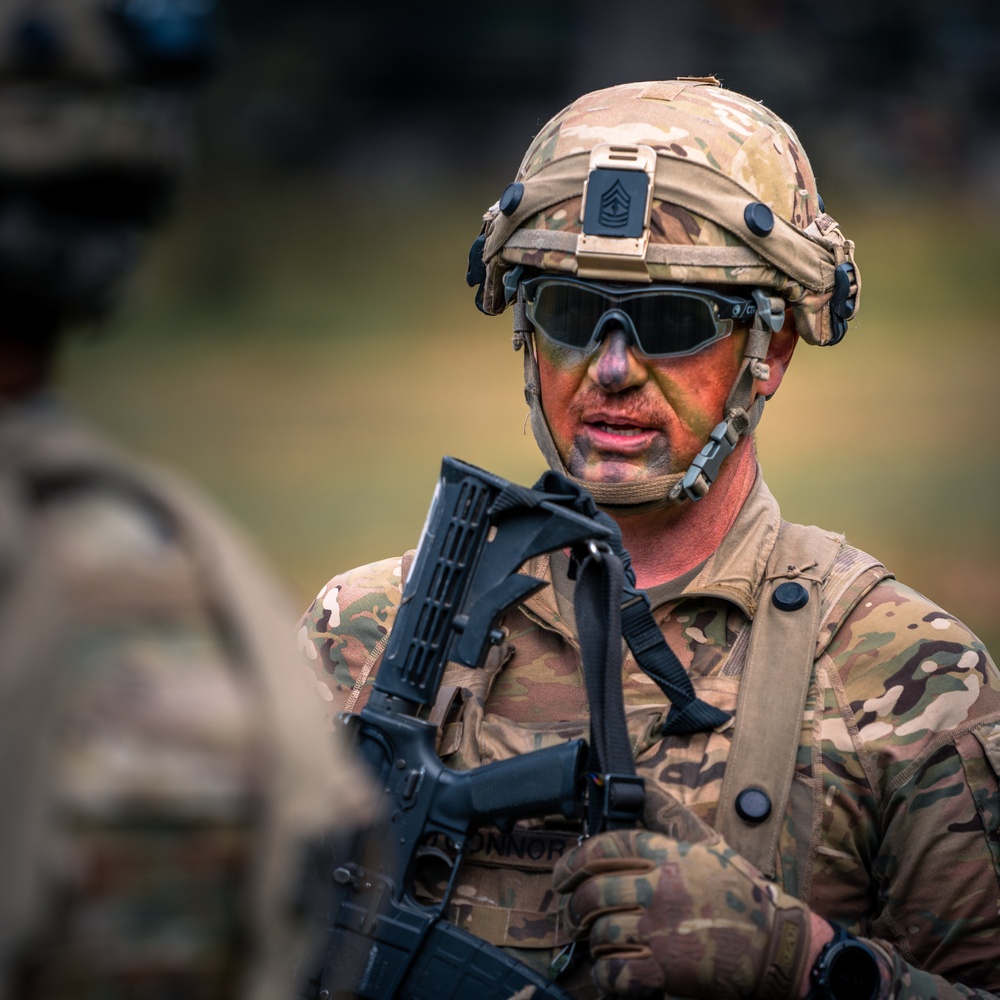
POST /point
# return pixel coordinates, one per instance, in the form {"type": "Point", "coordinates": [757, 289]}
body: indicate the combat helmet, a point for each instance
{"type": "Point", "coordinates": [671, 181]}
{"type": "Point", "coordinates": [95, 123]}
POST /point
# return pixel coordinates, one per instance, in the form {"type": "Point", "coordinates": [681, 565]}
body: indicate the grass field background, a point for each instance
{"type": "Point", "coordinates": [308, 354]}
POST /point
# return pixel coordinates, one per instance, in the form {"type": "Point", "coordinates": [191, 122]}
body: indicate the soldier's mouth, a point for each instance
{"type": "Point", "coordinates": [621, 437]}
{"type": "Point", "coordinates": [624, 429]}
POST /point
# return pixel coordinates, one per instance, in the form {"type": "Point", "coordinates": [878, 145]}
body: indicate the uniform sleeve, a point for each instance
{"type": "Point", "coordinates": [160, 780]}
{"type": "Point", "coordinates": [919, 700]}
{"type": "Point", "coordinates": [343, 633]}
{"type": "Point", "coordinates": [139, 825]}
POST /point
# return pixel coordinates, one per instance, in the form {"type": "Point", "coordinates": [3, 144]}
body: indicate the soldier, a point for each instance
{"type": "Point", "coordinates": [158, 791]}
{"type": "Point", "coordinates": [663, 248]}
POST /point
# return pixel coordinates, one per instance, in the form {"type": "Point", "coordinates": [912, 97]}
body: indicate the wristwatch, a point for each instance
{"type": "Point", "coordinates": [846, 969]}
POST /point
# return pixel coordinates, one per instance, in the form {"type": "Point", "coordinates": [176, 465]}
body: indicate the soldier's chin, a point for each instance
{"type": "Point", "coordinates": [617, 470]}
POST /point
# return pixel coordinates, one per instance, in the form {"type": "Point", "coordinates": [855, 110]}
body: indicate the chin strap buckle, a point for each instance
{"type": "Point", "coordinates": [742, 409]}
{"type": "Point", "coordinates": [705, 467]}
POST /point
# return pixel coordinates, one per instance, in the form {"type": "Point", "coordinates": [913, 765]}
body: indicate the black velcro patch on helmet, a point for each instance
{"type": "Point", "coordinates": [616, 203]}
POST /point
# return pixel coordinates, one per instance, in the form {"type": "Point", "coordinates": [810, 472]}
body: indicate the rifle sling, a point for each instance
{"type": "Point", "coordinates": [688, 713]}
{"type": "Point", "coordinates": [612, 803]}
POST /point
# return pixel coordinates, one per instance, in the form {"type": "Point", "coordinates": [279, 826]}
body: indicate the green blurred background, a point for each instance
{"type": "Point", "coordinates": [300, 339]}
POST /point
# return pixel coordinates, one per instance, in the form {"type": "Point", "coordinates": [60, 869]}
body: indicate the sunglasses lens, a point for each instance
{"type": "Point", "coordinates": [666, 322]}
{"type": "Point", "coordinates": [671, 324]}
{"type": "Point", "coordinates": [568, 313]}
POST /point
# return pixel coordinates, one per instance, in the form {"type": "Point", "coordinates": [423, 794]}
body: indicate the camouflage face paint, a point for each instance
{"type": "Point", "coordinates": [618, 416]}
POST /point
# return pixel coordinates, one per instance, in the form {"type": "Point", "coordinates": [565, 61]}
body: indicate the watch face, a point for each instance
{"type": "Point", "coordinates": [853, 972]}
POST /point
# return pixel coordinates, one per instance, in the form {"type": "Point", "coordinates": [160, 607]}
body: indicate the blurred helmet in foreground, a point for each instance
{"type": "Point", "coordinates": [95, 120]}
{"type": "Point", "coordinates": [681, 181]}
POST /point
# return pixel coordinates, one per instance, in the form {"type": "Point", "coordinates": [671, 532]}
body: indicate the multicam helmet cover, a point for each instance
{"type": "Point", "coordinates": [733, 201]}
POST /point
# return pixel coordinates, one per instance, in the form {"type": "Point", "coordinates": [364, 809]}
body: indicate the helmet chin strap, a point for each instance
{"type": "Point", "coordinates": [660, 492]}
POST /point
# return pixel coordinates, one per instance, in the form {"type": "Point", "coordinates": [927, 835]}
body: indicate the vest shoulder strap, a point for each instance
{"type": "Point", "coordinates": [855, 573]}
{"type": "Point", "coordinates": [813, 580]}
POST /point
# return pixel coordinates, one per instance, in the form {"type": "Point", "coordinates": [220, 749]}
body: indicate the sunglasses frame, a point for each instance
{"type": "Point", "coordinates": [725, 310]}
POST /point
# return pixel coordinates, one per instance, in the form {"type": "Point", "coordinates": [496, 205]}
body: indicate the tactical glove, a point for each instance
{"type": "Point", "coordinates": [691, 920]}
{"type": "Point", "coordinates": [665, 814]}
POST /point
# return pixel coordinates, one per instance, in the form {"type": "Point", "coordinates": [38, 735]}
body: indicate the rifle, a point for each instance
{"type": "Point", "coordinates": [379, 940]}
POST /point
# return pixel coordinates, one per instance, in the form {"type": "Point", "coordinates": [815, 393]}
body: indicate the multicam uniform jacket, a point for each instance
{"type": "Point", "coordinates": [893, 827]}
{"type": "Point", "coordinates": [156, 781]}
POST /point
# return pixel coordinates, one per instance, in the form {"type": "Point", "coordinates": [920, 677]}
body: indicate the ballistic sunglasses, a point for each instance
{"type": "Point", "coordinates": [663, 320]}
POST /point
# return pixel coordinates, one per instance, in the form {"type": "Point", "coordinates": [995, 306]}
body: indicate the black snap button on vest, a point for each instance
{"type": "Point", "coordinates": [759, 218]}
{"type": "Point", "coordinates": [511, 198]}
{"type": "Point", "coordinates": [790, 596]}
{"type": "Point", "coordinates": [753, 805]}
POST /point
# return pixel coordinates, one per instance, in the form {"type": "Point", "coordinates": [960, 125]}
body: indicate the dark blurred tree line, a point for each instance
{"type": "Point", "coordinates": [896, 92]}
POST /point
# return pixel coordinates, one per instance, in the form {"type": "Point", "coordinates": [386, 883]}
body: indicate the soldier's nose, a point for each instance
{"type": "Point", "coordinates": [616, 366]}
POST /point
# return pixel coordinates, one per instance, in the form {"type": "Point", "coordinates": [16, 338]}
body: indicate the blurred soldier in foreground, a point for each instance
{"type": "Point", "coordinates": [157, 787]}
{"type": "Point", "coordinates": [663, 248]}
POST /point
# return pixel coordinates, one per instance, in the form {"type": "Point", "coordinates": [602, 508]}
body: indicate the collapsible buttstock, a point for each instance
{"type": "Point", "coordinates": [382, 942]}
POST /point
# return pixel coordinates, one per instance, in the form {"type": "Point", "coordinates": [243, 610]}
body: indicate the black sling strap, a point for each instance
{"type": "Point", "coordinates": [608, 605]}
{"type": "Point", "coordinates": [616, 795]}
{"type": "Point", "coordinates": [688, 713]}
